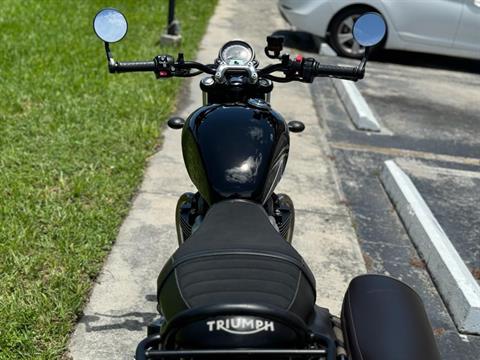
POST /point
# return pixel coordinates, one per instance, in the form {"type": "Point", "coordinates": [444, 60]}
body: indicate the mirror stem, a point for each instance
{"type": "Point", "coordinates": [363, 63]}
{"type": "Point", "coordinates": [367, 53]}
{"type": "Point", "coordinates": [111, 62]}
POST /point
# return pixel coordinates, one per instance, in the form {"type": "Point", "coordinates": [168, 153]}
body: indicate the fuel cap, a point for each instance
{"type": "Point", "coordinates": [258, 103]}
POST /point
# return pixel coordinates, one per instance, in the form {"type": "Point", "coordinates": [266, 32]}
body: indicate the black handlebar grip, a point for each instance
{"type": "Point", "coordinates": [131, 66]}
{"type": "Point", "coordinates": [349, 72]}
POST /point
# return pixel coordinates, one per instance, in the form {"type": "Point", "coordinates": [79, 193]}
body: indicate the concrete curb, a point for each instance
{"type": "Point", "coordinates": [358, 109]}
{"type": "Point", "coordinates": [458, 288]}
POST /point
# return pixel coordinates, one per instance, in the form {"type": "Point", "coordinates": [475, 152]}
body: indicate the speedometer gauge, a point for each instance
{"type": "Point", "coordinates": [236, 53]}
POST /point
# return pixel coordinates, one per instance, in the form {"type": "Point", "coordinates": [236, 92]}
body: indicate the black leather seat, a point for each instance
{"type": "Point", "coordinates": [384, 319]}
{"type": "Point", "coordinates": [236, 257]}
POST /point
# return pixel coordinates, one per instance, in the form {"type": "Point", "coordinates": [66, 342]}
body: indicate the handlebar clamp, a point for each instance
{"type": "Point", "coordinates": [223, 68]}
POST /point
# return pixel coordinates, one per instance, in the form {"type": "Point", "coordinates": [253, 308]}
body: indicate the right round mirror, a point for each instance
{"type": "Point", "coordinates": [110, 25]}
{"type": "Point", "coordinates": [369, 29]}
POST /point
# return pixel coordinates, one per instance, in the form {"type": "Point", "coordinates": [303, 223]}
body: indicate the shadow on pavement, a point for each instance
{"type": "Point", "coordinates": [125, 321]}
{"type": "Point", "coordinates": [427, 60]}
{"type": "Point", "coordinates": [299, 40]}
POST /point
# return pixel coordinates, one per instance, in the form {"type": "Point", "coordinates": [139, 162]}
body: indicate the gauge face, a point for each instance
{"type": "Point", "coordinates": [236, 53]}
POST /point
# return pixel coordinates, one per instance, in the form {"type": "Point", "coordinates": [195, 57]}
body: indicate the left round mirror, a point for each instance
{"type": "Point", "coordinates": [110, 25]}
{"type": "Point", "coordinates": [369, 29]}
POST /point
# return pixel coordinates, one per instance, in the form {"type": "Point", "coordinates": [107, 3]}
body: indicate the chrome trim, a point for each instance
{"type": "Point", "coordinates": [206, 81]}
{"type": "Point", "coordinates": [223, 68]}
{"type": "Point", "coordinates": [204, 98]}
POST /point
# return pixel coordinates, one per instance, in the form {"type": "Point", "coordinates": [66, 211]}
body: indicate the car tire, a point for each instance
{"type": "Point", "coordinates": [340, 33]}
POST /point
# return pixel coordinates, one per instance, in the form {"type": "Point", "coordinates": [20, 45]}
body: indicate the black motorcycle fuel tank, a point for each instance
{"type": "Point", "coordinates": [235, 150]}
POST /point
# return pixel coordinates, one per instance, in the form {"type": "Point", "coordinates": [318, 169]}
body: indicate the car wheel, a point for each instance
{"type": "Point", "coordinates": [341, 36]}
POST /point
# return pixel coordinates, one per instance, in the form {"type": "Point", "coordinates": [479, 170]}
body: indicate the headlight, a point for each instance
{"type": "Point", "coordinates": [236, 53]}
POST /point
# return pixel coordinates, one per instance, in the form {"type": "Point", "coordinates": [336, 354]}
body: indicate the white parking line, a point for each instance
{"type": "Point", "coordinates": [456, 284]}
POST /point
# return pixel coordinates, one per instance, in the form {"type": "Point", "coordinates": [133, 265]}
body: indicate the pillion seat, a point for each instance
{"type": "Point", "coordinates": [236, 257]}
{"type": "Point", "coordinates": [384, 319]}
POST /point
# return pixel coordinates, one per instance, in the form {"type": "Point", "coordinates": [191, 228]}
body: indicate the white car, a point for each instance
{"type": "Point", "coordinates": [445, 27]}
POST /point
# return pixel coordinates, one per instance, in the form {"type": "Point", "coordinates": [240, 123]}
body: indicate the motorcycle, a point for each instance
{"type": "Point", "coordinates": [236, 287]}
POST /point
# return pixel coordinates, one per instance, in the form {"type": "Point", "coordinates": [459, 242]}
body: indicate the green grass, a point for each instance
{"type": "Point", "coordinates": [73, 144]}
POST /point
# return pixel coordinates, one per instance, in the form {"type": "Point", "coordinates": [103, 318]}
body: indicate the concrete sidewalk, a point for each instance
{"type": "Point", "coordinates": [123, 299]}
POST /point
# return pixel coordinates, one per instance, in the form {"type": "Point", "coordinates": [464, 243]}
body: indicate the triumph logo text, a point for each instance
{"type": "Point", "coordinates": [240, 326]}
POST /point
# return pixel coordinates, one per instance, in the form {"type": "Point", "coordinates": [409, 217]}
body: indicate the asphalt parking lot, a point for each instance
{"type": "Point", "coordinates": [428, 110]}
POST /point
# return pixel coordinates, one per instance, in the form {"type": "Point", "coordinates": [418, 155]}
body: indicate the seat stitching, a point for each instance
{"type": "Point", "coordinates": [186, 273]}
{"type": "Point", "coordinates": [180, 289]}
{"type": "Point", "coordinates": [199, 292]}
{"type": "Point", "coordinates": [282, 257]}
{"type": "Point", "coordinates": [235, 279]}
{"type": "Point", "coordinates": [354, 328]}
{"type": "Point", "coordinates": [241, 292]}
{"type": "Point", "coordinates": [275, 256]}
{"type": "Point", "coordinates": [296, 290]}
{"type": "Point", "coordinates": [238, 251]}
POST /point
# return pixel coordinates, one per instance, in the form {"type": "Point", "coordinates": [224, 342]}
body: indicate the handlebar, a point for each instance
{"type": "Point", "coordinates": [300, 69]}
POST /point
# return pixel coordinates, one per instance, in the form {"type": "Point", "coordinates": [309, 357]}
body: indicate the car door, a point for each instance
{"type": "Point", "coordinates": [428, 22]}
{"type": "Point", "coordinates": [468, 36]}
